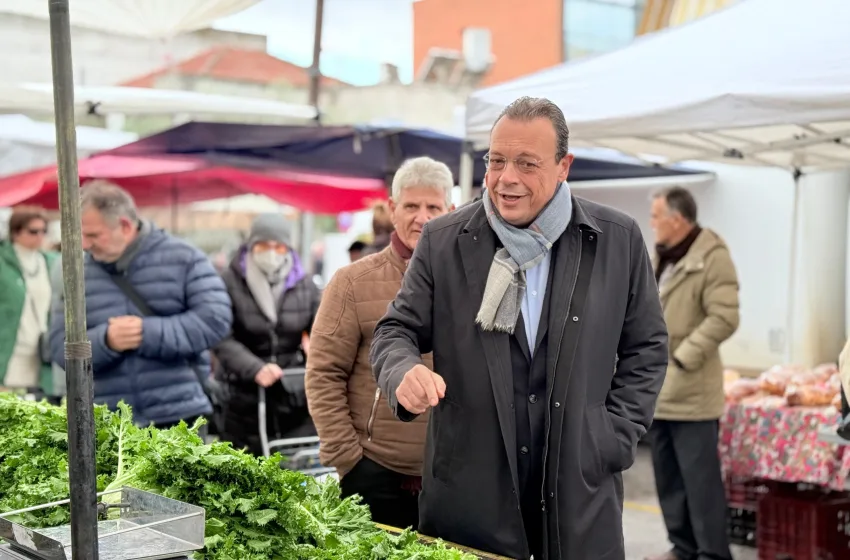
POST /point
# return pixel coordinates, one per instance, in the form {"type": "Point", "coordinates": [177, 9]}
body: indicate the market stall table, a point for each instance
{"type": "Point", "coordinates": [783, 444]}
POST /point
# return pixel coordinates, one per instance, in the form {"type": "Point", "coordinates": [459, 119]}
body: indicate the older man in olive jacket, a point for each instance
{"type": "Point", "coordinates": [549, 350]}
{"type": "Point", "coordinates": [699, 293]}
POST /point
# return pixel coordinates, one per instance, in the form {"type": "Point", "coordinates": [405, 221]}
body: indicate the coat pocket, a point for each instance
{"type": "Point", "coordinates": [447, 420]}
{"type": "Point", "coordinates": [600, 448]}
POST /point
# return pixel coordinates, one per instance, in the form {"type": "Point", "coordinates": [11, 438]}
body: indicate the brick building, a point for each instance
{"type": "Point", "coordinates": [529, 35]}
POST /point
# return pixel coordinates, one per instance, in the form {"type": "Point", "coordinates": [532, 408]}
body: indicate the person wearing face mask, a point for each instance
{"type": "Point", "coordinates": [274, 304]}
{"type": "Point", "coordinates": [25, 305]}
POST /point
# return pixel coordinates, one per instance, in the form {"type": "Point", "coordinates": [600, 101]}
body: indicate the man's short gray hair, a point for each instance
{"type": "Point", "coordinates": [110, 200]}
{"type": "Point", "coordinates": [679, 200]}
{"type": "Point", "coordinates": [530, 108]}
{"type": "Point", "coordinates": [424, 172]}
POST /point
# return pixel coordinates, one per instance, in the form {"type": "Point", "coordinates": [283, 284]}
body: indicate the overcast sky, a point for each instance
{"type": "Point", "coordinates": [357, 37]}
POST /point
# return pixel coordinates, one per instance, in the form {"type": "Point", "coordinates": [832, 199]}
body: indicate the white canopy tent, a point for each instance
{"type": "Point", "coordinates": [26, 144]}
{"type": "Point", "coordinates": [765, 82]}
{"type": "Point", "coordinates": [103, 100]}
{"type": "Point", "coordinates": [762, 82]}
{"type": "Point", "coordinates": [137, 18]}
{"type": "Point", "coordinates": [24, 130]}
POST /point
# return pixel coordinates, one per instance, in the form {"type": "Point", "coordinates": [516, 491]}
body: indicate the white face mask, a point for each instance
{"type": "Point", "coordinates": [270, 261]}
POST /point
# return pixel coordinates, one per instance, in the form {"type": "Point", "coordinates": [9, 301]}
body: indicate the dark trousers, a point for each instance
{"type": "Point", "coordinates": [393, 498]}
{"type": "Point", "coordinates": [690, 488]}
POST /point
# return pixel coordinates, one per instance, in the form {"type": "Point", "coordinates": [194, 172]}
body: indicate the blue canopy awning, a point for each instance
{"type": "Point", "coordinates": [360, 151]}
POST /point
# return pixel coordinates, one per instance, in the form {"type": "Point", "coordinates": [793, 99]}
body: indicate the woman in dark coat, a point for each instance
{"type": "Point", "coordinates": [274, 304]}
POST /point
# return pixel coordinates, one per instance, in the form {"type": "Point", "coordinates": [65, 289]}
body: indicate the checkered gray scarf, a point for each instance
{"type": "Point", "coordinates": [522, 248]}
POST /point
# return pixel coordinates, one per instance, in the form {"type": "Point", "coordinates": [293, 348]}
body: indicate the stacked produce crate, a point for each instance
{"type": "Point", "coordinates": [789, 521]}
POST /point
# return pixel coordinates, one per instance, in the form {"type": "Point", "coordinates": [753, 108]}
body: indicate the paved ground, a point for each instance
{"type": "Point", "coordinates": [643, 526]}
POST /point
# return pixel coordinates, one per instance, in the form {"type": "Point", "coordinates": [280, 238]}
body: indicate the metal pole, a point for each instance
{"type": "Point", "coordinates": [315, 72]}
{"type": "Point", "coordinates": [80, 398]}
{"type": "Point", "coordinates": [305, 223]}
{"type": "Point", "coordinates": [791, 315]}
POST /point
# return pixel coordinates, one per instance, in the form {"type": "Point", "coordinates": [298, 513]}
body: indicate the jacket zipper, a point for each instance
{"type": "Point", "coordinates": [373, 414]}
{"type": "Point", "coordinates": [555, 366]}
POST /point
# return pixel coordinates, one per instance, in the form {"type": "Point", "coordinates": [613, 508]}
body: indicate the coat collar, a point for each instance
{"type": "Point", "coordinates": [580, 216]}
{"type": "Point", "coordinates": [693, 261]}
{"type": "Point", "coordinates": [394, 258]}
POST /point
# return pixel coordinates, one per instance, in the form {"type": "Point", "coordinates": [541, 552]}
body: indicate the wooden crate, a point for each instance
{"type": "Point", "coordinates": [423, 538]}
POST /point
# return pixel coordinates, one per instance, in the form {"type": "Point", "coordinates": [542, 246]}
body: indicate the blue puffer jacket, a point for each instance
{"type": "Point", "coordinates": [193, 313]}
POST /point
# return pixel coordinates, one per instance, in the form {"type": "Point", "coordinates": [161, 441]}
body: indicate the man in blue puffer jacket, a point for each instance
{"type": "Point", "coordinates": [153, 359]}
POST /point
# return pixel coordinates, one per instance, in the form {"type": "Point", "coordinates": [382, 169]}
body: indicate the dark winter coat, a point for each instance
{"type": "Point", "coordinates": [603, 305]}
{"type": "Point", "coordinates": [254, 342]}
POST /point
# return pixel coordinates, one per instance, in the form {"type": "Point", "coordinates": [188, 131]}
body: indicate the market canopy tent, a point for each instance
{"type": "Point", "coordinates": [765, 82]}
{"type": "Point", "coordinates": [147, 18]}
{"type": "Point", "coordinates": [102, 100]}
{"type": "Point", "coordinates": [169, 180]}
{"type": "Point", "coordinates": [26, 143]}
{"type": "Point", "coordinates": [363, 151]}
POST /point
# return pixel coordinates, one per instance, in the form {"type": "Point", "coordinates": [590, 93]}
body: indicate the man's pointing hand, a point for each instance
{"type": "Point", "coordinates": [420, 390]}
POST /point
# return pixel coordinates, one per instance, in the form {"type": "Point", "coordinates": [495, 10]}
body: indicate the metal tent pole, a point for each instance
{"type": "Point", "coordinates": [80, 398]}
{"type": "Point", "coordinates": [315, 71]}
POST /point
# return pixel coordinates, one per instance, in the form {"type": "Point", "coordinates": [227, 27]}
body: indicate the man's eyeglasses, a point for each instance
{"type": "Point", "coordinates": [523, 164]}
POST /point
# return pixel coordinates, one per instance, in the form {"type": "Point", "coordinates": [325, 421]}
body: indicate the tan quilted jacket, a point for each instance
{"type": "Point", "coordinates": [350, 413]}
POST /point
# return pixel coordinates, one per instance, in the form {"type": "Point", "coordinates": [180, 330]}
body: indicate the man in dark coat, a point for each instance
{"type": "Point", "coordinates": [542, 313]}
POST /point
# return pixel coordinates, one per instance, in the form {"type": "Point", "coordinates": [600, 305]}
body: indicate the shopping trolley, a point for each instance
{"type": "Point", "coordinates": [299, 454]}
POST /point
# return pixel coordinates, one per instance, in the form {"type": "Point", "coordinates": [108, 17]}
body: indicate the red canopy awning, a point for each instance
{"type": "Point", "coordinates": [163, 181]}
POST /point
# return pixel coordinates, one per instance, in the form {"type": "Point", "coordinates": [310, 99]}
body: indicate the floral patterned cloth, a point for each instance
{"type": "Point", "coordinates": [782, 444]}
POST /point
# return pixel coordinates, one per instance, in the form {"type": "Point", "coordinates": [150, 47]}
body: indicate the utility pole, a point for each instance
{"type": "Point", "coordinates": [315, 72]}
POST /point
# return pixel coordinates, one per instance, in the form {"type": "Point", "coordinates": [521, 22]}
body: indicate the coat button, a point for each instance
{"type": "Point", "coordinates": [575, 319]}
{"type": "Point", "coordinates": [532, 399]}
{"type": "Point", "coordinates": [475, 238]}
{"type": "Point", "coordinates": [512, 406]}
{"type": "Point", "coordinates": [590, 237]}
{"type": "Point", "coordinates": [551, 494]}
{"type": "Point", "coordinates": [523, 450]}
{"type": "Point", "coordinates": [557, 405]}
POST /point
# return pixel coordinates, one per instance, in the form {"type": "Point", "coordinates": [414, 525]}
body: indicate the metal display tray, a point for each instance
{"type": "Point", "coordinates": [148, 527]}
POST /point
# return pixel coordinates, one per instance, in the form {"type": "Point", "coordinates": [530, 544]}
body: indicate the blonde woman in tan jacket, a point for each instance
{"type": "Point", "coordinates": [376, 455]}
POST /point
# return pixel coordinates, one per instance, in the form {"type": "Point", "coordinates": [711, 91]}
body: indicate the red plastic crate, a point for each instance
{"type": "Point", "coordinates": [744, 493]}
{"type": "Point", "coordinates": [803, 526]}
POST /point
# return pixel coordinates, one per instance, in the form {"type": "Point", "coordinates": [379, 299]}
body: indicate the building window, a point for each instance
{"type": "Point", "coordinates": [598, 26]}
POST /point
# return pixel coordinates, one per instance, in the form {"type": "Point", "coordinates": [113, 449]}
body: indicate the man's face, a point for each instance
{"type": "Point", "coordinates": [106, 241]}
{"type": "Point", "coordinates": [666, 225]}
{"type": "Point", "coordinates": [524, 173]}
{"type": "Point", "coordinates": [414, 208]}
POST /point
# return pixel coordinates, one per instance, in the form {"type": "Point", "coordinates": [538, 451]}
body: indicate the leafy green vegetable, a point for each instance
{"type": "Point", "coordinates": [255, 510]}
